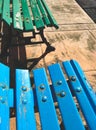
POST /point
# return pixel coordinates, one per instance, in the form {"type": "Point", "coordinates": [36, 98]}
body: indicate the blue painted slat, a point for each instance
{"type": "Point", "coordinates": [46, 107]}
{"type": "Point", "coordinates": [25, 118]}
{"type": "Point", "coordinates": [85, 84]}
{"type": "Point", "coordinates": [81, 96]}
{"type": "Point", "coordinates": [4, 103]}
{"type": "Point", "coordinates": [66, 104]}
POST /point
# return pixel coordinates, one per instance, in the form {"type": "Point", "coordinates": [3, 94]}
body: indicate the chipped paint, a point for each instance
{"type": "Point", "coordinates": [17, 18]}
{"type": "Point", "coordinates": [17, 24]}
{"type": "Point", "coordinates": [17, 14]}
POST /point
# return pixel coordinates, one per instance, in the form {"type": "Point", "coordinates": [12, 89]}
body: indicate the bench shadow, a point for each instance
{"type": "Point", "coordinates": [13, 50]}
{"type": "Point", "coordinates": [89, 7]}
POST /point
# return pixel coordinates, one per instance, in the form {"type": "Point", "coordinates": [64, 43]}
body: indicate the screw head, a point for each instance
{"type": "Point", "coordinates": [24, 88]}
{"type": "Point", "coordinates": [2, 100]}
{"type": "Point", "coordinates": [62, 94]}
{"type": "Point", "coordinates": [24, 101]}
{"type": "Point", "coordinates": [44, 98]}
{"type": "Point", "coordinates": [73, 78]}
{"type": "Point", "coordinates": [3, 86]}
{"type": "Point", "coordinates": [59, 82]}
{"type": "Point", "coordinates": [42, 86]}
{"type": "Point", "coordinates": [78, 89]}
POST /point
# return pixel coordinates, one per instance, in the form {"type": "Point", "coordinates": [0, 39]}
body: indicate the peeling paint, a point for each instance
{"type": "Point", "coordinates": [18, 14]}
{"type": "Point", "coordinates": [17, 24]}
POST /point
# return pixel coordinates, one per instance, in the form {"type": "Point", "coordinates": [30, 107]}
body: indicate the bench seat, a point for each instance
{"type": "Point", "coordinates": [68, 88]}
{"type": "Point", "coordinates": [27, 15]}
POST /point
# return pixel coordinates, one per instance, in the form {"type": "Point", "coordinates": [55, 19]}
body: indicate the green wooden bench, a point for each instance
{"type": "Point", "coordinates": [24, 99]}
{"type": "Point", "coordinates": [26, 15]}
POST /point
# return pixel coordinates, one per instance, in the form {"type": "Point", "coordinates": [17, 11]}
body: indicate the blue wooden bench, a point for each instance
{"type": "Point", "coordinates": [43, 96]}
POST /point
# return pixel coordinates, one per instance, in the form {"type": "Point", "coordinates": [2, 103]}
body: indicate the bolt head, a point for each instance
{"type": "Point", "coordinates": [42, 87]}
{"type": "Point", "coordinates": [24, 101]}
{"type": "Point", "coordinates": [24, 88]}
{"type": "Point", "coordinates": [62, 94]}
{"type": "Point", "coordinates": [3, 86]}
{"type": "Point", "coordinates": [73, 78]}
{"type": "Point", "coordinates": [78, 89]}
{"type": "Point", "coordinates": [59, 82]}
{"type": "Point", "coordinates": [44, 98]}
{"type": "Point", "coordinates": [2, 100]}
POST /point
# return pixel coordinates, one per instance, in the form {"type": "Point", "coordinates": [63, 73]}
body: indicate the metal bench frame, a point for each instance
{"type": "Point", "coordinates": [24, 98]}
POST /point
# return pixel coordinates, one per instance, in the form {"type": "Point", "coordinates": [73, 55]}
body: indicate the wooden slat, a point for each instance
{"type": "Point", "coordinates": [1, 5]}
{"type": "Point", "coordinates": [82, 99]}
{"type": "Point", "coordinates": [25, 118]}
{"type": "Point", "coordinates": [6, 12]}
{"type": "Point", "coordinates": [66, 104]}
{"type": "Point", "coordinates": [85, 84]}
{"type": "Point", "coordinates": [44, 14]}
{"type": "Point", "coordinates": [50, 15]}
{"type": "Point", "coordinates": [36, 14]}
{"type": "Point", "coordinates": [17, 19]}
{"type": "Point", "coordinates": [28, 24]}
{"type": "Point", "coordinates": [4, 93]}
{"type": "Point", "coordinates": [46, 107]}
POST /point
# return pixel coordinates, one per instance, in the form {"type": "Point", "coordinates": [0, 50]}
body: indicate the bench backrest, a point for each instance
{"type": "Point", "coordinates": [24, 98]}
{"type": "Point", "coordinates": [25, 14]}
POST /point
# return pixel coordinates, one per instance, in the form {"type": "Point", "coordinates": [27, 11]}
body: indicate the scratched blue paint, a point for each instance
{"type": "Point", "coordinates": [66, 104]}
{"type": "Point", "coordinates": [25, 118]}
{"type": "Point", "coordinates": [4, 104]}
{"type": "Point", "coordinates": [46, 107]}
{"type": "Point", "coordinates": [81, 97]}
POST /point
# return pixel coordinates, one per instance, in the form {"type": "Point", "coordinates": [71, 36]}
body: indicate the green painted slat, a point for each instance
{"type": "Point", "coordinates": [36, 14]}
{"type": "Point", "coordinates": [17, 19]}
{"type": "Point", "coordinates": [1, 2]}
{"type": "Point", "coordinates": [6, 11]}
{"type": "Point", "coordinates": [52, 19]}
{"type": "Point", "coordinates": [43, 12]}
{"type": "Point", "coordinates": [27, 17]}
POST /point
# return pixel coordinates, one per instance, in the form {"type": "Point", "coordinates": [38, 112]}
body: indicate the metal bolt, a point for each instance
{"type": "Point", "coordinates": [44, 98]}
{"type": "Point", "coordinates": [24, 101]}
{"type": "Point", "coordinates": [59, 82]}
{"type": "Point", "coordinates": [62, 94]}
{"type": "Point", "coordinates": [78, 89]}
{"type": "Point", "coordinates": [42, 86]}
{"type": "Point", "coordinates": [24, 88]}
{"type": "Point", "coordinates": [27, 20]}
{"type": "Point", "coordinates": [2, 99]}
{"type": "Point", "coordinates": [3, 86]}
{"type": "Point", "coordinates": [73, 78]}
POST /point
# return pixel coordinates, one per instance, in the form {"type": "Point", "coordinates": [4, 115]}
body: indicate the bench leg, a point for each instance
{"type": "Point", "coordinates": [49, 47]}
